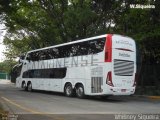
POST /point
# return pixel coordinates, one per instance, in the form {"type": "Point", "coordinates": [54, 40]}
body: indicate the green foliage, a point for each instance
{"type": "Point", "coordinates": [33, 24]}
{"type": "Point", "coordinates": [7, 65]}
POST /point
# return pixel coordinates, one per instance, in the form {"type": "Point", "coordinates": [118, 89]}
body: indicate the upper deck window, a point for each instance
{"type": "Point", "coordinates": [78, 49]}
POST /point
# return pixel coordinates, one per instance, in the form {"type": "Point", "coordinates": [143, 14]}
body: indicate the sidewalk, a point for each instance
{"type": "Point", "coordinates": [2, 81]}
{"type": "Point", "coordinates": [154, 97]}
{"type": "Point", "coordinates": [150, 97]}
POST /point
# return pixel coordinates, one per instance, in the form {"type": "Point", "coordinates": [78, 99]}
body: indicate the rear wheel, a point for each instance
{"type": "Point", "coordinates": [29, 87]}
{"type": "Point", "coordinates": [68, 90]}
{"type": "Point", "coordinates": [80, 91]}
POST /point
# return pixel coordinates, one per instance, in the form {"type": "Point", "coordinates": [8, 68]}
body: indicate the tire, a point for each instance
{"type": "Point", "coordinates": [24, 87]}
{"type": "Point", "coordinates": [80, 91]}
{"type": "Point", "coordinates": [68, 90]}
{"type": "Point", "coordinates": [29, 87]}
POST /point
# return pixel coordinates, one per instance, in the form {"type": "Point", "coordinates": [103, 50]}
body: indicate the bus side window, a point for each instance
{"type": "Point", "coordinates": [42, 55]}
{"type": "Point", "coordinates": [28, 58]}
{"type": "Point", "coordinates": [66, 51]}
{"type": "Point", "coordinates": [54, 52]}
{"type": "Point", "coordinates": [35, 56]}
{"type": "Point", "coordinates": [25, 74]}
{"type": "Point", "coordinates": [96, 46]}
{"type": "Point", "coordinates": [84, 48]}
{"type": "Point", "coordinates": [48, 54]}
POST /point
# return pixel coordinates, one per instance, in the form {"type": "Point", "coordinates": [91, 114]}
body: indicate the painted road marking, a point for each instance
{"type": "Point", "coordinates": [19, 106]}
{"type": "Point", "coordinates": [30, 110]}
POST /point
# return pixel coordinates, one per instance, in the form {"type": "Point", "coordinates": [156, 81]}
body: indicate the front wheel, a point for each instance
{"type": "Point", "coordinates": [80, 91]}
{"type": "Point", "coordinates": [24, 87]}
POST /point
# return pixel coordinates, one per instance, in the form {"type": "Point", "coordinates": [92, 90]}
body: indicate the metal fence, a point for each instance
{"type": "Point", "coordinates": [4, 76]}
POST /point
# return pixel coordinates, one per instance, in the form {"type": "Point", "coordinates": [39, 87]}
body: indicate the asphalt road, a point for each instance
{"type": "Point", "coordinates": [40, 105]}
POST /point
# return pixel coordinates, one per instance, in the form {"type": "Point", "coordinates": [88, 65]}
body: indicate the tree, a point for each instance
{"type": "Point", "coordinates": [40, 23]}
{"type": "Point", "coordinates": [6, 66]}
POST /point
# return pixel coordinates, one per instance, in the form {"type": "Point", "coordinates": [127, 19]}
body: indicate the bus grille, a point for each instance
{"type": "Point", "coordinates": [96, 84]}
{"type": "Point", "coordinates": [123, 67]}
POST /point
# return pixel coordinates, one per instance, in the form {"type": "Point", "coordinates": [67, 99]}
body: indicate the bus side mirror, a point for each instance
{"type": "Point", "coordinates": [21, 59]}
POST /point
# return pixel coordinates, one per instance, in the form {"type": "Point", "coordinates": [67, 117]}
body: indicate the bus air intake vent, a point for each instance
{"type": "Point", "coordinates": [96, 84]}
{"type": "Point", "coordinates": [123, 67]}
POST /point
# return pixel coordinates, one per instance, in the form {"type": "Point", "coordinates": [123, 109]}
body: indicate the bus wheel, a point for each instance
{"type": "Point", "coordinates": [80, 91]}
{"type": "Point", "coordinates": [24, 86]}
{"type": "Point", "coordinates": [29, 87]}
{"type": "Point", "coordinates": [68, 90]}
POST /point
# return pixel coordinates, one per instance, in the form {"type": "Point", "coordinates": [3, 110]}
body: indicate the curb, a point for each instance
{"type": "Point", "coordinates": [147, 97]}
{"type": "Point", "coordinates": [154, 97]}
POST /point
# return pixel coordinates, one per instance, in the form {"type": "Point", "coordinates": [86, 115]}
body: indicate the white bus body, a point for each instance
{"type": "Point", "coordinates": [101, 65]}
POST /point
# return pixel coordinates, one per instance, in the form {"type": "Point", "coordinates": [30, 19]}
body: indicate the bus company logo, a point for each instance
{"type": "Point", "coordinates": [65, 62]}
{"type": "Point", "coordinates": [124, 55]}
{"type": "Point", "coordinates": [124, 42]}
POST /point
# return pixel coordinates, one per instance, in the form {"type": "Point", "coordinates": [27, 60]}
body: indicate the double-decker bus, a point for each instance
{"type": "Point", "coordinates": [96, 66]}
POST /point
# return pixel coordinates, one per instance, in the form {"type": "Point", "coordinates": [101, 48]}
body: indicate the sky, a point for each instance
{"type": "Point", "coordinates": [2, 47]}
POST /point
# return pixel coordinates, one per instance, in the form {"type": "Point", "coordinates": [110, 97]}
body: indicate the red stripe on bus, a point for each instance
{"type": "Point", "coordinates": [108, 48]}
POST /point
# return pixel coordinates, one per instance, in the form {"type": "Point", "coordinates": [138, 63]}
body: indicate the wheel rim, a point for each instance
{"type": "Point", "coordinates": [30, 87]}
{"type": "Point", "coordinates": [80, 91]}
{"type": "Point", "coordinates": [24, 85]}
{"type": "Point", "coordinates": [68, 90]}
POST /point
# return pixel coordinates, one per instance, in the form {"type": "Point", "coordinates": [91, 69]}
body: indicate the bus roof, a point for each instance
{"type": "Point", "coordinates": [68, 43]}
